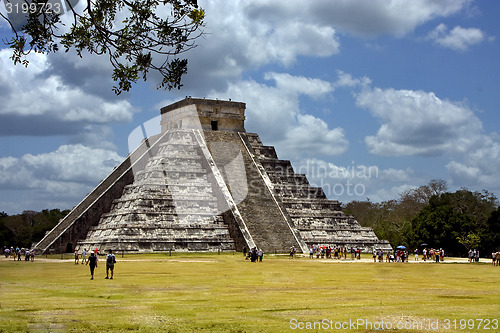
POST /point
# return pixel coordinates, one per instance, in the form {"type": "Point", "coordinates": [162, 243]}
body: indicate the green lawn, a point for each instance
{"type": "Point", "coordinates": [225, 293]}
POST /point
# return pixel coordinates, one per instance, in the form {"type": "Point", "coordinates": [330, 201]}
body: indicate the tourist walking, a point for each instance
{"type": "Point", "coordinates": [77, 257]}
{"type": "Point", "coordinates": [110, 264]}
{"type": "Point", "coordinates": [84, 256]}
{"type": "Point", "coordinates": [92, 264]}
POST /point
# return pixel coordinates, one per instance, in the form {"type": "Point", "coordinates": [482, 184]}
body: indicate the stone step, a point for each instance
{"type": "Point", "coordinates": [260, 212]}
{"type": "Point", "coordinates": [319, 220]}
{"type": "Point", "coordinates": [183, 210]}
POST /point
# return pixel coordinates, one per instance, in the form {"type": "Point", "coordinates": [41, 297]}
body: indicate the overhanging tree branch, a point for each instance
{"type": "Point", "coordinates": [138, 36]}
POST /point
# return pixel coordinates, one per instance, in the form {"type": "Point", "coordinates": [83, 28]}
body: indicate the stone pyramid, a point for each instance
{"type": "Point", "coordinates": [205, 184]}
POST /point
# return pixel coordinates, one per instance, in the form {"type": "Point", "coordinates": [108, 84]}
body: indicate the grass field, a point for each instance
{"type": "Point", "coordinates": [225, 293]}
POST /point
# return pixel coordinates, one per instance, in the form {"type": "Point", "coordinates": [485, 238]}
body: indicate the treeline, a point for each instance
{"type": "Point", "coordinates": [431, 216]}
{"type": "Point", "coordinates": [24, 229]}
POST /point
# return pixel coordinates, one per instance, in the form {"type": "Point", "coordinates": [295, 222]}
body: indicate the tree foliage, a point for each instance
{"type": "Point", "coordinates": [428, 214]}
{"type": "Point", "coordinates": [29, 227]}
{"type": "Point", "coordinates": [392, 220]}
{"type": "Point", "coordinates": [454, 221]}
{"type": "Point", "coordinates": [136, 35]}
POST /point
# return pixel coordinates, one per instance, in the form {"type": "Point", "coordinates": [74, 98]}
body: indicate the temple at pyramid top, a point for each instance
{"type": "Point", "coordinates": [205, 184]}
{"type": "Point", "coordinates": [207, 113]}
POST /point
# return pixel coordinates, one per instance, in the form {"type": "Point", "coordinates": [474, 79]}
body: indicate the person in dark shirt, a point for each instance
{"type": "Point", "coordinates": [92, 264]}
{"type": "Point", "coordinates": [110, 264]}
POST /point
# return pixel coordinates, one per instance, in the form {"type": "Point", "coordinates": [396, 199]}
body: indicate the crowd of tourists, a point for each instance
{"type": "Point", "coordinates": [331, 252]}
{"type": "Point", "coordinates": [84, 254]}
{"type": "Point", "coordinates": [431, 254]}
{"type": "Point", "coordinates": [254, 255]}
{"type": "Point", "coordinates": [398, 255]}
{"type": "Point", "coordinates": [473, 255]}
{"type": "Point", "coordinates": [495, 258]}
{"type": "Point", "coordinates": [19, 253]}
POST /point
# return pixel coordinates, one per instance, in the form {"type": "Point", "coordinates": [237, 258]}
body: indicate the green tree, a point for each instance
{"type": "Point", "coordinates": [392, 220]}
{"type": "Point", "coordinates": [471, 241]}
{"type": "Point", "coordinates": [29, 227]}
{"type": "Point", "coordinates": [134, 34]}
{"type": "Point", "coordinates": [6, 235]}
{"type": "Point", "coordinates": [490, 238]}
{"type": "Point", "coordinates": [451, 219]}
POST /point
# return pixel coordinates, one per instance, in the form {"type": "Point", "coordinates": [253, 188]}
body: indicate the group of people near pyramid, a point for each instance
{"type": "Point", "coordinates": [93, 259]}
{"type": "Point", "coordinates": [254, 255]}
{"type": "Point", "coordinates": [18, 253]}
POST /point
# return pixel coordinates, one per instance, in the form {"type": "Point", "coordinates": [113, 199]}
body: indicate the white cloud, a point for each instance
{"type": "Point", "coordinates": [274, 113]}
{"type": "Point", "coordinates": [30, 93]}
{"type": "Point", "coordinates": [396, 175]}
{"type": "Point", "coordinates": [69, 163]}
{"type": "Point", "coordinates": [360, 17]}
{"type": "Point", "coordinates": [385, 193]}
{"type": "Point", "coordinates": [246, 35]}
{"type": "Point", "coordinates": [240, 36]}
{"type": "Point", "coordinates": [479, 167]}
{"type": "Point", "coordinates": [58, 178]}
{"type": "Point", "coordinates": [311, 136]}
{"type": "Point", "coordinates": [418, 123]}
{"type": "Point", "coordinates": [347, 80]}
{"type": "Point", "coordinates": [38, 102]}
{"type": "Point", "coordinates": [299, 84]}
{"type": "Point", "coordinates": [356, 181]}
{"type": "Point", "coordinates": [458, 38]}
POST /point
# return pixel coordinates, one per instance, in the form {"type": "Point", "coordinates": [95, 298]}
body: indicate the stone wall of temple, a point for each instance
{"type": "Point", "coordinates": [319, 220]}
{"type": "Point", "coordinates": [170, 205]}
{"type": "Point", "coordinates": [206, 114]}
{"type": "Point", "coordinates": [74, 227]}
{"type": "Point", "coordinates": [264, 218]}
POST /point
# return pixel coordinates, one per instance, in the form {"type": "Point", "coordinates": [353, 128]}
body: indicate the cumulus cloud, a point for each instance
{"type": "Point", "coordinates": [459, 39]}
{"type": "Point", "coordinates": [246, 35]}
{"type": "Point", "coordinates": [360, 17]}
{"type": "Point", "coordinates": [30, 95]}
{"type": "Point", "coordinates": [61, 177]}
{"type": "Point", "coordinates": [418, 123]}
{"type": "Point", "coordinates": [312, 136]}
{"type": "Point", "coordinates": [480, 166]}
{"type": "Point", "coordinates": [356, 181]}
{"type": "Point", "coordinates": [347, 80]}
{"type": "Point", "coordinates": [69, 163]}
{"type": "Point", "coordinates": [241, 36]}
{"type": "Point", "coordinates": [300, 85]}
{"type": "Point", "coordinates": [274, 112]}
{"type": "Point", "coordinates": [415, 122]}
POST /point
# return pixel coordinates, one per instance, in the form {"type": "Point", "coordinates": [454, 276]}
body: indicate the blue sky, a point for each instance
{"type": "Point", "coordinates": [368, 97]}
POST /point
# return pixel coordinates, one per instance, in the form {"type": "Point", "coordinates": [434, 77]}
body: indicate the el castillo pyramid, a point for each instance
{"type": "Point", "coordinates": [205, 184]}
